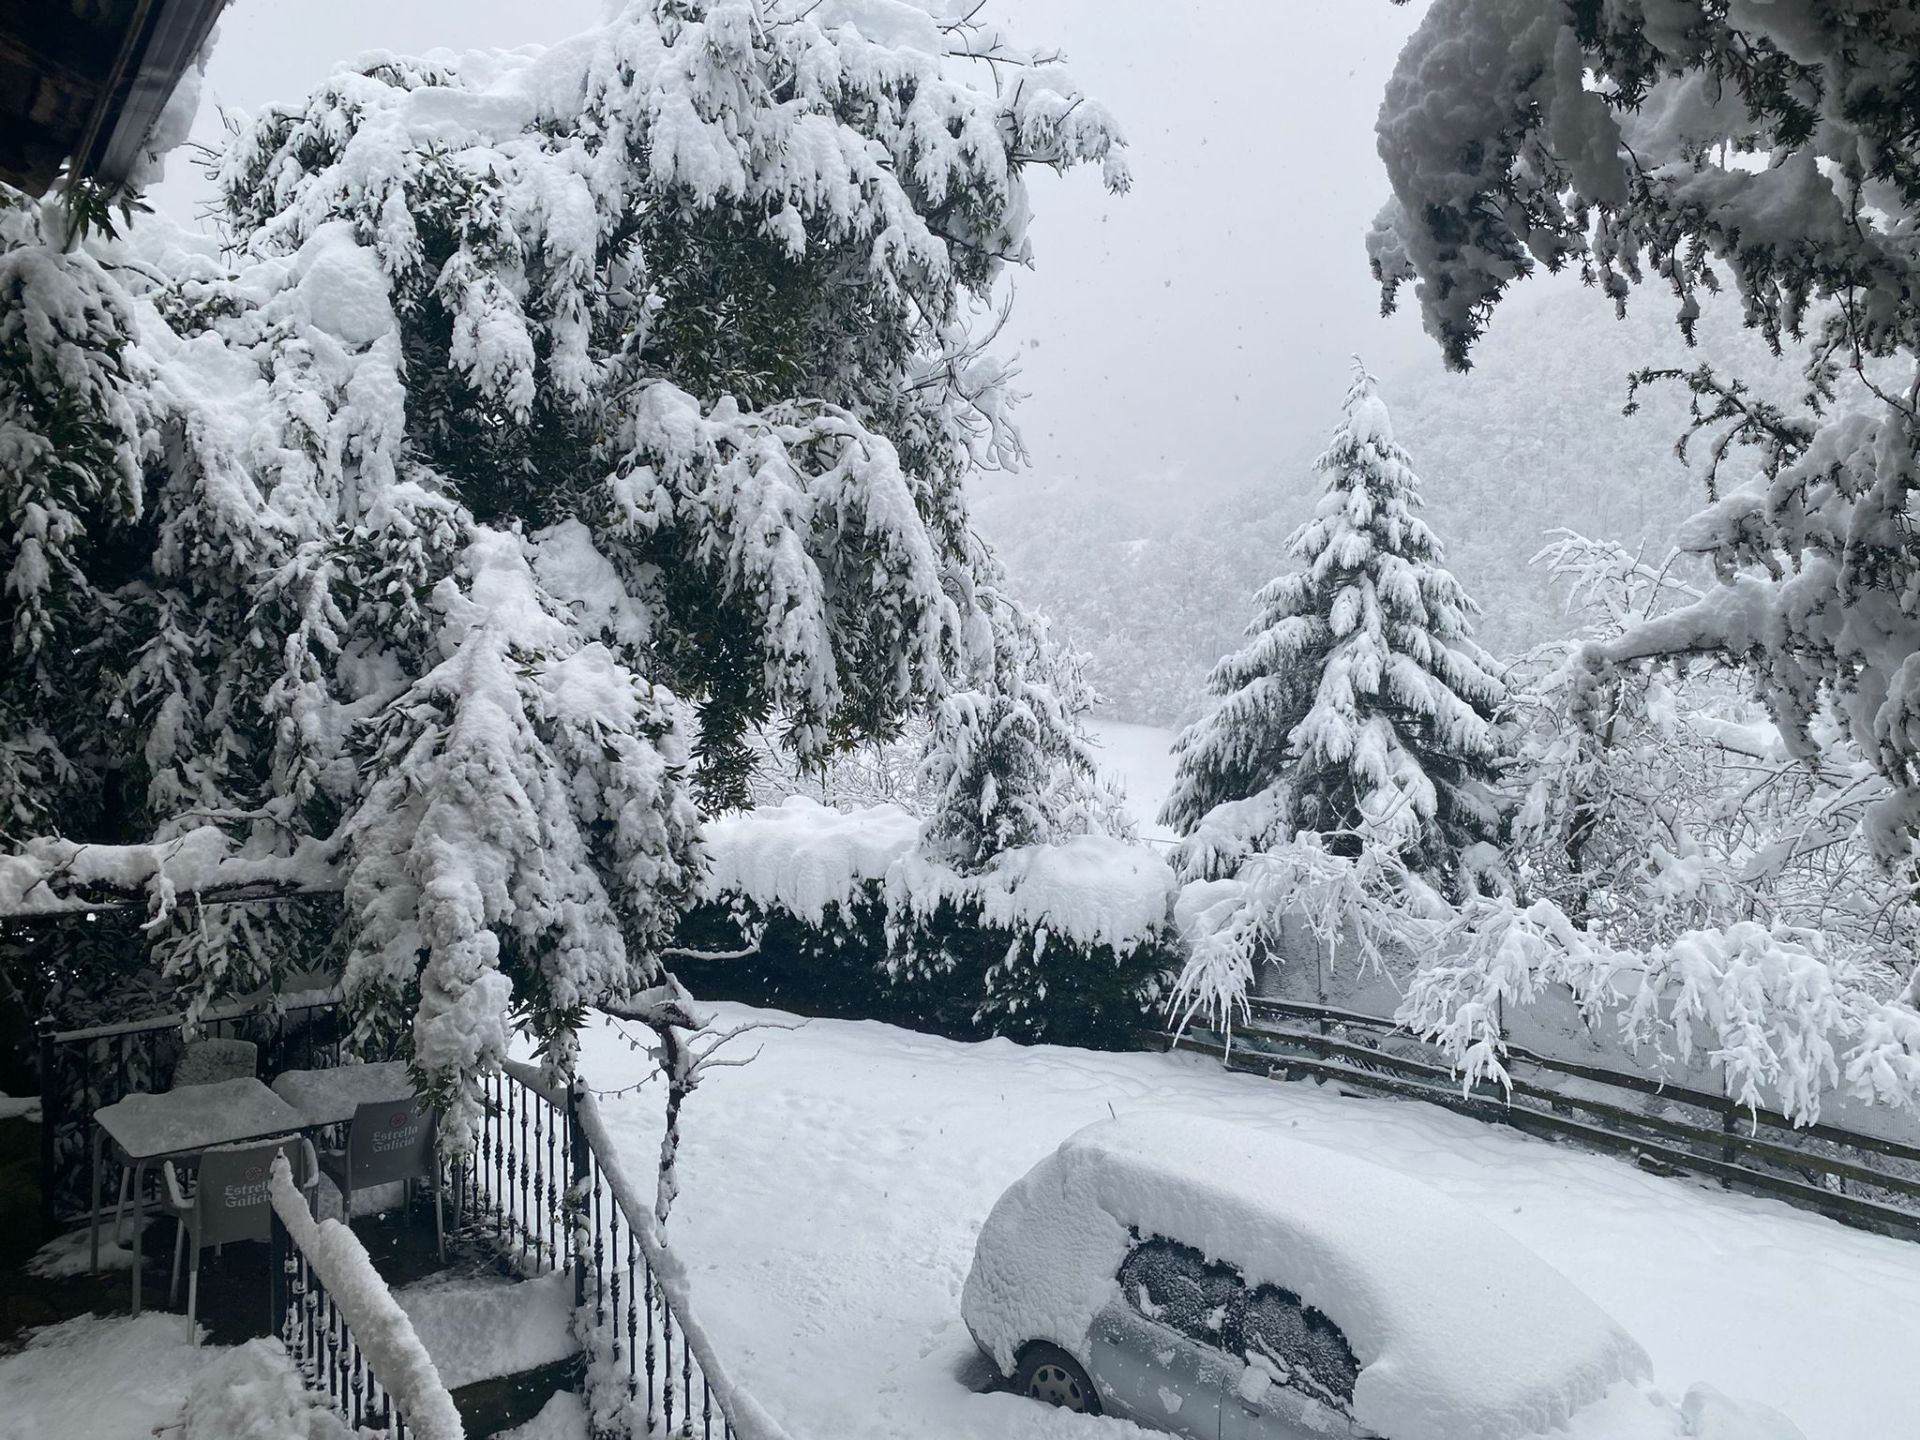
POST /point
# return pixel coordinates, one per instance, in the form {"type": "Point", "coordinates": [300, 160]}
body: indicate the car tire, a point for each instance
{"type": "Point", "coordinates": [1049, 1374]}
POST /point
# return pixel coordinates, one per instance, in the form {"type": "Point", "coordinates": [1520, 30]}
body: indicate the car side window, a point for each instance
{"type": "Point", "coordinates": [1299, 1346]}
{"type": "Point", "coordinates": [1177, 1286]}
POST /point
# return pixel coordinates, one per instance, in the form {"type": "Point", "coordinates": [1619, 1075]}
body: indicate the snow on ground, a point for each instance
{"type": "Point", "coordinates": [1142, 755]}
{"type": "Point", "coordinates": [71, 1254]}
{"type": "Point", "coordinates": [831, 1191]}
{"type": "Point", "coordinates": [479, 1326]}
{"type": "Point", "coordinates": [100, 1377]}
{"type": "Point", "coordinates": [19, 1107]}
{"type": "Point", "coordinates": [254, 1392]}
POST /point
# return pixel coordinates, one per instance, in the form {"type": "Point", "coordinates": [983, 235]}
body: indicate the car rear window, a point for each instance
{"type": "Point", "coordinates": [1177, 1286]}
{"type": "Point", "coordinates": [1301, 1347]}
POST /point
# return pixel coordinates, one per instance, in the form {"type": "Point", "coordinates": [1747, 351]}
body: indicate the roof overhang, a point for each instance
{"type": "Point", "coordinates": [83, 81]}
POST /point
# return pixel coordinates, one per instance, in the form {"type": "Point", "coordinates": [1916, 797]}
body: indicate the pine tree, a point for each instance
{"type": "Point", "coordinates": [1008, 756]}
{"type": "Point", "coordinates": [1360, 708]}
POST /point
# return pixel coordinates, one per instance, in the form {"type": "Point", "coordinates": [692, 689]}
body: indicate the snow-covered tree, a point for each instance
{"type": "Point", "coordinates": [553, 410]}
{"type": "Point", "coordinates": [1663, 799]}
{"type": "Point", "coordinates": [1770, 146]}
{"type": "Point", "coordinates": [1008, 759]}
{"type": "Point", "coordinates": [1360, 708]}
{"type": "Point", "coordinates": [888, 771]}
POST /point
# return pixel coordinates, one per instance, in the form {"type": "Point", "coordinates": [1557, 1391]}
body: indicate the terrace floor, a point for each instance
{"type": "Point", "coordinates": [455, 1306]}
{"type": "Point", "coordinates": [54, 1283]}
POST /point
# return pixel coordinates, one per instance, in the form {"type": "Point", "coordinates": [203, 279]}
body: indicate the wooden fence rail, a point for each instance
{"type": "Point", "coordinates": [1869, 1181]}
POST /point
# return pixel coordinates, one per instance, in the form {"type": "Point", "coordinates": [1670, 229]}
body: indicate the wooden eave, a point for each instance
{"type": "Point", "coordinates": [82, 82]}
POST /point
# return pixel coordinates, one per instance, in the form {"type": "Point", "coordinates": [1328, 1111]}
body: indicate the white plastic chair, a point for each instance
{"type": "Point", "coordinates": [207, 1062]}
{"type": "Point", "coordinates": [389, 1141]}
{"type": "Point", "coordinates": [226, 1200]}
{"type": "Point", "coordinates": [204, 1062]}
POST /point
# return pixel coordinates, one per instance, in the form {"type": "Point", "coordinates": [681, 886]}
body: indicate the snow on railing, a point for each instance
{"type": "Point", "coordinates": [544, 1177]}
{"type": "Point", "coordinates": [1852, 1175]}
{"type": "Point", "coordinates": [595, 1165]}
{"type": "Point", "coordinates": [343, 1328]}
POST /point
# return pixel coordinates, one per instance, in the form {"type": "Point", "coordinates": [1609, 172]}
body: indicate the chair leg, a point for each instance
{"type": "Point", "coordinates": [193, 1300]}
{"type": "Point", "coordinates": [439, 1226]}
{"type": "Point", "coordinates": [179, 1249]}
{"type": "Point", "coordinates": [120, 1205]}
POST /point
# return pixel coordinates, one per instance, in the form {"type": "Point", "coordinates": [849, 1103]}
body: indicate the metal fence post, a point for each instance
{"type": "Point", "coordinates": [279, 1262]}
{"type": "Point", "coordinates": [49, 1123]}
{"type": "Point", "coordinates": [577, 1191]}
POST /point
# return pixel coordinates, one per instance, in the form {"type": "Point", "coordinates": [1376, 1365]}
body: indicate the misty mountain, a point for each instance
{"type": "Point", "coordinates": [1155, 585]}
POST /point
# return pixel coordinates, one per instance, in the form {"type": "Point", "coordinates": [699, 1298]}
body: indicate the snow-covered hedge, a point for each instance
{"type": "Point", "coordinates": [1061, 942]}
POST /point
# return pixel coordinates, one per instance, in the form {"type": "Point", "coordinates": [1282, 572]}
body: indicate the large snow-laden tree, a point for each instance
{"type": "Point", "coordinates": [1360, 708]}
{"type": "Point", "coordinates": [556, 417]}
{"type": "Point", "coordinates": [1692, 145]}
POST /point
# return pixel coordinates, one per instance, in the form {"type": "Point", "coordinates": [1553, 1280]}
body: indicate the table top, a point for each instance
{"type": "Point", "coordinates": [195, 1118]}
{"type": "Point", "coordinates": [329, 1097]}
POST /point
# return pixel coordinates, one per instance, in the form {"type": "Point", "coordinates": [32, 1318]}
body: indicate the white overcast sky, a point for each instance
{"type": "Point", "coordinates": [1192, 335]}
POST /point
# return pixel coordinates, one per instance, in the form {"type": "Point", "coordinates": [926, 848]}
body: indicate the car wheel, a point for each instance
{"type": "Point", "coordinates": [1048, 1373]}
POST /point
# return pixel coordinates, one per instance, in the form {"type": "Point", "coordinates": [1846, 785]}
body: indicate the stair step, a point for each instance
{"type": "Point", "coordinates": [537, 1404]}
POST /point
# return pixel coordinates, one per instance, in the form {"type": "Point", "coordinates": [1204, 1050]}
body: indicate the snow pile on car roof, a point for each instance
{"type": "Point", "coordinates": [1460, 1330]}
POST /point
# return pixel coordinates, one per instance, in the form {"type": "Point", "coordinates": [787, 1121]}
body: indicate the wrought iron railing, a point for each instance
{"type": "Point", "coordinates": [514, 1184]}
{"type": "Point", "coordinates": [542, 1185]}
{"type": "Point", "coordinates": [344, 1330]}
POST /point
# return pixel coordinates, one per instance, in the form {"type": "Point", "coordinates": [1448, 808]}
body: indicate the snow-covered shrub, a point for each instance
{"type": "Point", "coordinates": [847, 914]}
{"type": "Point", "coordinates": [1007, 758]}
{"type": "Point", "coordinates": [1360, 707]}
{"type": "Point", "coordinates": [1652, 802]}
{"type": "Point", "coordinates": [1354, 907]}
{"type": "Point", "coordinates": [878, 772]}
{"type": "Point", "coordinates": [1784, 1020]}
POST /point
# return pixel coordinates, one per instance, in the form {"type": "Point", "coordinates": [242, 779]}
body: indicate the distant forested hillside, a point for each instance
{"type": "Point", "coordinates": [1155, 587]}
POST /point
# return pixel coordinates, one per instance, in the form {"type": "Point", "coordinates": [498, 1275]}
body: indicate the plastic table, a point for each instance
{"type": "Point", "coordinates": [330, 1096]}
{"type": "Point", "coordinates": [146, 1129]}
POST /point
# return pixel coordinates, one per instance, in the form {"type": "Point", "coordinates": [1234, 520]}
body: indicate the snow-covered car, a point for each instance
{"type": "Point", "coordinates": [1231, 1284]}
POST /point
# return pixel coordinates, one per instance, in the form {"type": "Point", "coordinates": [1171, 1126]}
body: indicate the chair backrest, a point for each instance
{"type": "Point", "coordinates": [231, 1195]}
{"type": "Point", "coordinates": [391, 1140]}
{"type": "Point", "coordinates": [206, 1062]}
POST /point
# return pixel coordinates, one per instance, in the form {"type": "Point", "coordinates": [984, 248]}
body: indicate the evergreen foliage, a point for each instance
{"type": "Point", "coordinates": [1007, 757]}
{"type": "Point", "coordinates": [404, 554]}
{"type": "Point", "coordinates": [947, 972]}
{"type": "Point", "coordinates": [1360, 708]}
